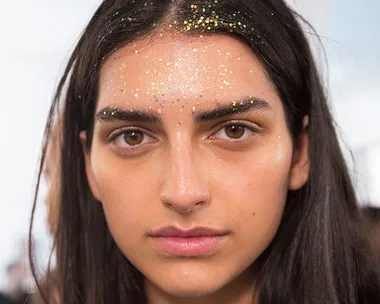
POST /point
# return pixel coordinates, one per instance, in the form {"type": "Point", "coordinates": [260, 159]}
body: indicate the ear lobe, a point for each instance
{"type": "Point", "coordinates": [300, 169]}
{"type": "Point", "coordinates": [89, 173]}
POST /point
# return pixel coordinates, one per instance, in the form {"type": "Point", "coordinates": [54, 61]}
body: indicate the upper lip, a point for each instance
{"type": "Point", "coordinates": [172, 231]}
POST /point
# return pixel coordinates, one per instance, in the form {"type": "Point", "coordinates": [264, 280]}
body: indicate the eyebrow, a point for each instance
{"type": "Point", "coordinates": [114, 113]}
{"type": "Point", "coordinates": [235, 107]}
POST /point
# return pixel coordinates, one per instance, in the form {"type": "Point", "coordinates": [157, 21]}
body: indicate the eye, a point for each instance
{"type": "Point", "coordinates": [234, 132]}
{"type": "Point", "coordinates": [132, 138]}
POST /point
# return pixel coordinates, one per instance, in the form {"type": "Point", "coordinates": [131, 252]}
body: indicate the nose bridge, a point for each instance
{"type": "Point", "coordinates": [184, 188]}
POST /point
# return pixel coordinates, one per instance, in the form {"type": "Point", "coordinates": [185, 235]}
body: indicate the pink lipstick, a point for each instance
{"type": "Point", "coordinates": [193, 242]}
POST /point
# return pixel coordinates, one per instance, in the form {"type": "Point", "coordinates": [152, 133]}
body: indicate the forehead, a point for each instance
{"type": "Point", "coordinates": [175, 66]}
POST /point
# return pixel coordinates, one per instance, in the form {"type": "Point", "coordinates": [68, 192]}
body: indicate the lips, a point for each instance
{"type": "Point", "coordinates": [193, 242]}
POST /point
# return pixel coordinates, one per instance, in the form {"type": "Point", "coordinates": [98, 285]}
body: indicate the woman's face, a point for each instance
{"type": "Point", "coordinates": [192, 161]}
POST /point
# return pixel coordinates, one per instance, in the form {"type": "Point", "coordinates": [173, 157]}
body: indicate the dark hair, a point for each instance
{"type": "Point", "coordinates": [318, 255]}
{"type": "Point", "coordinates": [372, 214]}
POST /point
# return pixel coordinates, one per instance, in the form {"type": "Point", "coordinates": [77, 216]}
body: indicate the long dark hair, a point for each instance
{"type": "Point", "coordinates": [318, 255]}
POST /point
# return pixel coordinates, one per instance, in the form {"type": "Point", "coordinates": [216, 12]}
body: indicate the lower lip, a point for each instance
{"type": "Point", "coordinates": [191, 246]}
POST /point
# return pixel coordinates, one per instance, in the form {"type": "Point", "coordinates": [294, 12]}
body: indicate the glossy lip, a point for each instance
{"type": "Point", "coordinates": [172, 231]}
{"type": "Point", "coordinates": [197, 241]}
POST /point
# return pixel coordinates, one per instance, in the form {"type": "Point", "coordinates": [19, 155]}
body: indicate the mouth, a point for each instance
{"type": "Point", "coordinates": [198, 241]}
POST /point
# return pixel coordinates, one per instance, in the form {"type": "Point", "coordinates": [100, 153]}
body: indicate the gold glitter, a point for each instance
{"type": "Point", "coordinates": [160, 59]}
{"type": "Point", "coordinates": [136, 51]}
{"type": "Point", "coordinates": [185, 22]}
{"type": "Point", "coordinates": [234, 103]}
{"type": "Point", "coordinates": [145, 4]}
{"type": "Point", "coordinates": [201, 36]}
{"type": "Point", "coordinates": [159, 111]}
{"type": "Point", "coordinates": [251, 101]}
{"type": "Point", "coordinates": [195, 50]}
{"type": "Point", "coordinates": [137, 95]}
{"type": "Point", "coordinates": [170, 25]}
{"type": "Point", "coordinates": [168, 64]}
{"type": "Point", "coordinates": [175, 22]}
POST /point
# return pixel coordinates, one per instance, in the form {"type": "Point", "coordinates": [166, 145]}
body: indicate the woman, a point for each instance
{"type": "Point", "coordinates": [200, 162]}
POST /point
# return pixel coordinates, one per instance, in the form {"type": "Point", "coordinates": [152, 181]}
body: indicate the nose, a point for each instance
{"type": "Point", "coordinates": [185, 189]}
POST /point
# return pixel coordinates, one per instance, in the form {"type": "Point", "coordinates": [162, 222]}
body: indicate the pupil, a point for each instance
{"type": "Point", "coordinates": [235, 131]}
{"type": "Point", "coordinates": [133, 138]}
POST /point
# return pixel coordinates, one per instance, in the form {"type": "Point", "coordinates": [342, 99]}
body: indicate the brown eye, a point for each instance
{"type": "Point", "coordinates": [133, 138]}
{"type": "Point", "coordinates": [235, 131]}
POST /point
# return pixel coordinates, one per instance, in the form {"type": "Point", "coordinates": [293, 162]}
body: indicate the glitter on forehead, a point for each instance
{"type": "Point", "coordinates": [207, 18]}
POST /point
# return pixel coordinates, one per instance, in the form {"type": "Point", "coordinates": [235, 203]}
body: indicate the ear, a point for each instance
{"type": "Point", "coordinates": [88, 167]}
{"type": "Point", "coordinates": [300, 169]}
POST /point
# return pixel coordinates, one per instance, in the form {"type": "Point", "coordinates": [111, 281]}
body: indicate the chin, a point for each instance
{"type": "Point", "coordinates": [192, 282]}
{"type": "Point", "coordinates": [190, 289]}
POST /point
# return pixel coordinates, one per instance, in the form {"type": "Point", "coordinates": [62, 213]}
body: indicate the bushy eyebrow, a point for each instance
{"type": "Point", "coordinates": [114, 113]}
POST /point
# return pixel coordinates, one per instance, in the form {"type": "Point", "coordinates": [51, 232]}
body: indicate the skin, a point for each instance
{"type": "Point", "coordinates": [188, 173]}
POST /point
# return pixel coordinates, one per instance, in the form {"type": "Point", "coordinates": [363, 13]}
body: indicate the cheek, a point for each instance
{"type": "Point", "coordinates": [122, 186]}
{"type": "Point", "coordinates": [254, 187]}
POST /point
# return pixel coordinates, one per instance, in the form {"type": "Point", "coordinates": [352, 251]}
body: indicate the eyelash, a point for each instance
{"type": "Point", "coordinates": [220, 128]}
{"type": "Point", "coordinates": [247, 127]}
{"type": "Point", "coordinates": [122, 132]}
